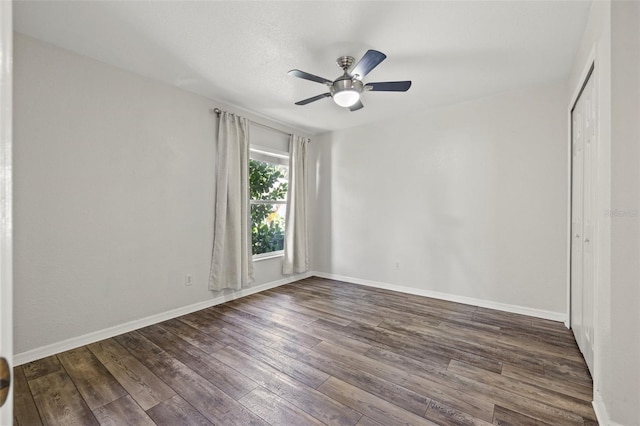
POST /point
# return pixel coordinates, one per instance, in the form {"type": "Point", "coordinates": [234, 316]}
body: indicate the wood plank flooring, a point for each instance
{"type": "Point", "coordinates": [318, 352]}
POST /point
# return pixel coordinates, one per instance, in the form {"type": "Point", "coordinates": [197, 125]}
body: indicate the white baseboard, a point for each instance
{"type": "Point", "coordinates": [75, 342]}
{"type": "Point", "coordinates": [538, 313]}
{"type": "Point", "coordinates": [601, 411]}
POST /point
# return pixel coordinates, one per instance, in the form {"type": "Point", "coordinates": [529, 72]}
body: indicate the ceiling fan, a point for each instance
{"type": "Point", "coordinates": [346, 89]}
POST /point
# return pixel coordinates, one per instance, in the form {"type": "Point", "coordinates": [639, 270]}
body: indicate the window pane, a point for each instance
{"type": "Point", "coordinates": [269, 158]}
{"type": "Point", "coordinates": [268, 181]}
{"type": "Point", "coordinates": [267, 227]}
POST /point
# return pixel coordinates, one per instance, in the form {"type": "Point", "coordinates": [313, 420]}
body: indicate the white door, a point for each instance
{"type": "Point", "coordinates": [6, 326]}
{"type": "Point", "coordinates": [584, 118]}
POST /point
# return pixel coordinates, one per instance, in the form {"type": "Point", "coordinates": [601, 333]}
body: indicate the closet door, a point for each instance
{"type": "Point", "coordinates": [584, 148]}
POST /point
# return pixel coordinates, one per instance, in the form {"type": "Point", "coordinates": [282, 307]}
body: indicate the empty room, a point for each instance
{"type": "Point", "coordinates": [320, 213]}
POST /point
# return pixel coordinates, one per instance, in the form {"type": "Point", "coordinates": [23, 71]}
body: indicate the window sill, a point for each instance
{"type": "Point", "coordinates": [266, 256]}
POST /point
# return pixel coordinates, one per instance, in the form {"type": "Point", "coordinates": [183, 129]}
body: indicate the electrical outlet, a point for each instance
{"type": "Point", "coordinates": [187, 279]}
{"type": "Point", "coordinates": [397, 266]}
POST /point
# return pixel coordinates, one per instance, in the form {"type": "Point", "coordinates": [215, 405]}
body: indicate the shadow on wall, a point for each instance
{"type": "Point", "coordinates": [320, 173]}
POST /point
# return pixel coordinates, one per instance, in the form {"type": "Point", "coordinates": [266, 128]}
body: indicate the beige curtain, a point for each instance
{"type": "Point", "coordinates": [231, 263]}
{"type": "Point", "coordinates": [296, 258]}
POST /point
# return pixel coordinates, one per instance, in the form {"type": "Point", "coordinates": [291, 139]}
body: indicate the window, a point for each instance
{"type": "Point", "coordinates": [268, 184]}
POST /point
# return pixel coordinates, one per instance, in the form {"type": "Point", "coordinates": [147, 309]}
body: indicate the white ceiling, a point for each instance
{"type": "Point", "coordinates": [239, 52]}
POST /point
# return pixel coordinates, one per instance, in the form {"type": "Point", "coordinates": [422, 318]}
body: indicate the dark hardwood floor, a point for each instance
{"type": "Point", "coordinates": [318, 352]}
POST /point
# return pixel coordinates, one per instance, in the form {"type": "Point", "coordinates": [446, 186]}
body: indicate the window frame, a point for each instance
{"type": "Point", "coordinates": [263, 152]}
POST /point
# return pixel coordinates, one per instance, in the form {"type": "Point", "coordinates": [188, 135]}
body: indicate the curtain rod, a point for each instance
{"type": "Point", "coordinates": [217, 112]}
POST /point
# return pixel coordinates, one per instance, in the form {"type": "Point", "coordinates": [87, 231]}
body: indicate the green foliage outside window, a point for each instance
{"type": "Point", "coordinates": [267, 183]}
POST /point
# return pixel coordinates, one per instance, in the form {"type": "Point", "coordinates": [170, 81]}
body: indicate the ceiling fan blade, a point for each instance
{"type": "Point", "coordinates": [390, 86]}
{"type": "Point", "coordinates": [315, 98]}
{"type": "Point", "coordinates": [358, 105]}
{"type": "Point", "coordinates": [307, 76]}
{"type": "Point", "coordinates": [369, 61]}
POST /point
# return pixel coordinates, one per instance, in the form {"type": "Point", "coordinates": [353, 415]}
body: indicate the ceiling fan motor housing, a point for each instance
{"type": "Point", "coordinates": [346, 82]}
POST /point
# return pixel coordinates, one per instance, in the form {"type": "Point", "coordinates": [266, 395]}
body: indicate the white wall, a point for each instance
{"type": "Point", "coordinates": [114, 184]}
{"type": "Point", "coordinates": [467, 200]}
{"type": "Point", "coordinates": [612, 38]}
{"type": "Point", "coordinates": [625, 197]}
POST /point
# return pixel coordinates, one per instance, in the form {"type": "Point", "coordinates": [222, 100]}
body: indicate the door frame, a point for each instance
{"type": "Point", "coordinates": [590, 68]}
{"type": "Point", "coordinates": [6, 200]}
{"type": "Point", "coordinates": [591, 72]}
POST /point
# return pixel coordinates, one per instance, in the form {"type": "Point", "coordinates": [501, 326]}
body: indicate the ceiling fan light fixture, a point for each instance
{"type": "Point", "coordinates": [346, 91]}
{"type": "Point", "coordinates": [346, 98]}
